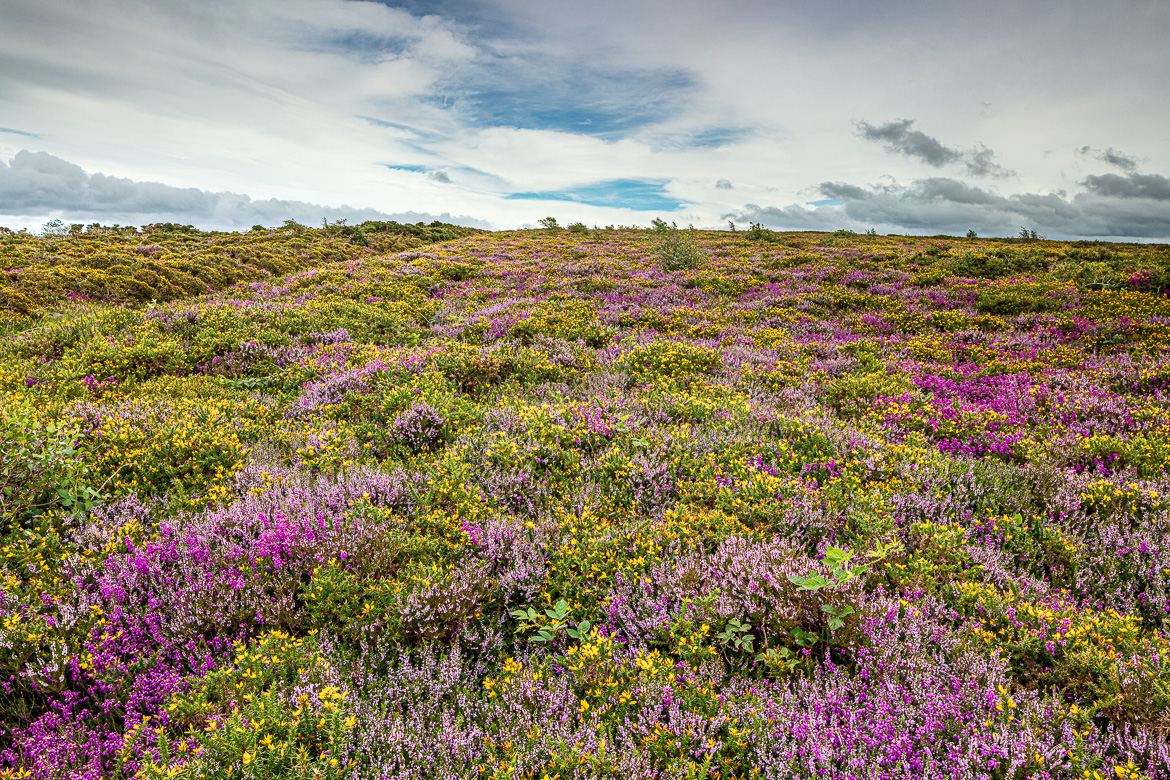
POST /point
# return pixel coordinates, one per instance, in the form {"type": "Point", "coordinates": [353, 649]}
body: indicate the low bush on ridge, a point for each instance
{"type": "Point", "coordinates": [417, 502]}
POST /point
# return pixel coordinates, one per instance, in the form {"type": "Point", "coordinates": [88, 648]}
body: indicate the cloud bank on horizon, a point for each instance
{"type": "Point", "coordinates": [911, 117]}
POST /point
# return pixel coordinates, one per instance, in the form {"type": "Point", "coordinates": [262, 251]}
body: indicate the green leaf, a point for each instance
{"type": "Point", "coordinates": [836, 554]}
{"type": "Point", "coordinates": [814, 582]}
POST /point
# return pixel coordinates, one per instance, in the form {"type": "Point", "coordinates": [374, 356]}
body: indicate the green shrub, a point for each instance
{"type": "Point", "coordinates": [40, 471]}
{"type": "Point", "coordinates": [851, 394]}
{"type": "Point", "coordinates": [676, 249]}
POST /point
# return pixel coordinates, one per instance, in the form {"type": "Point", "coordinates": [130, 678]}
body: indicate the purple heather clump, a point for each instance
{"type": "Point", "coordinates": [652, 483]}
{"type": "Point", "coordinates": [337, 336]}
{"type": "Point", "coordinates": [332, 388]}
{"type": "Point", "coordinates": [747, 581]}
{"type": "Point", "coordinates": [420, 428]}
{"type": "Point", "coordinates": [516, 555]}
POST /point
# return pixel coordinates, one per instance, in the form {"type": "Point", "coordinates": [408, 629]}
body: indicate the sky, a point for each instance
{"type": "Point", "coordinates": [916, 117]}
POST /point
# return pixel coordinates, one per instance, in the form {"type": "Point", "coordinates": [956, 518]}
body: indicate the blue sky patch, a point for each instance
{"type": "Point", "coordinates": [548, 93]}
{"type": "Point", "coordinates": [826, 202]}
{"type": "Point", "coordinates": [633, 194]}
{"type": "Point", "coordinates": [470, 12]}
{"type": "Point", "coordinates": [19, 132]}
{"type": "Point", "coordinates": [715, 137]}
{"type": "Point", "coordinates": [411, 168]}
{"type": "Point", "coordinates": [417, 132]}
{"type": "Point", "coordinates": [361, 46]}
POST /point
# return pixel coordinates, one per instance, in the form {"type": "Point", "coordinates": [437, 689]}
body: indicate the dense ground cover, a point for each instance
{"type": "Point", "coordinates": [589, 504]}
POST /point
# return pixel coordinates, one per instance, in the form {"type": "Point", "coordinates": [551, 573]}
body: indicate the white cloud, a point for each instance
{"type": "Point", "coordinates": [38, 185]}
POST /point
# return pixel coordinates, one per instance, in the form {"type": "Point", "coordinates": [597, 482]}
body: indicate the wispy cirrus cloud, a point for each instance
{"type": "Point", "coordinates": [24, 133]}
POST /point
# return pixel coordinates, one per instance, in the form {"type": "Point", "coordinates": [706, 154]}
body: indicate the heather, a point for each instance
{"type": "Point", "coordinates": [584, 503]}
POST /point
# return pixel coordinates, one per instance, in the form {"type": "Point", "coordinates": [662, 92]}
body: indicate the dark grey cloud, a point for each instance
{"type": "Point", "coordinates": [980, 162]}
{"type": "Point", "coordinates": [1114, 206]}
{"type": "Point", "coordinates": [40, 184]}
{"type": "Point", "coordinates": [723, 184]}
{"type": "Point", "coordinates": [440, 176]}
{"type": "Point", "coordinates": [842, 191]}
{"type": "Point", "coordinates": [1110, 156]}
{"type": "Point", "coordinates": [1133, 185]}
{"type": "Point", "coordinates": [901, 137]}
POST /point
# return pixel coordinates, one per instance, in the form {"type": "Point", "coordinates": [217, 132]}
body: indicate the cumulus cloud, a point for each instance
{"type": "Point", "coordinates": [440, 176]}
{"type": "Point", "coordinates": [723, 184]}
{"type": "Point", "coordinates": [40, 184]}
{"type": "Point", "coordinates": [1111, 206]}
{"type": "Point", "coordinates": [901, 137]}
{"type": "Point", "coordinates": [1110, 156]}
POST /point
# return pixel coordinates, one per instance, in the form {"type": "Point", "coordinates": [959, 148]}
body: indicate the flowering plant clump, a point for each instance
{"type": "Point", "coordinates": [419, 501]}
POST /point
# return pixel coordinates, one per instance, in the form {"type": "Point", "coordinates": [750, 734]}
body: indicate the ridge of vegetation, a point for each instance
{"type": "Point", "coordinates": [164, 261]}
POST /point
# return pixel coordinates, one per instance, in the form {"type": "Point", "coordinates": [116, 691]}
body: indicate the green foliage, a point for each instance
{"type": "Point", "coordinates": [736, 636]}
{"type": "Point", "coordinates": [676, 250]}
{"type": "Point", "coordinates": [554, 621]}
{"type": "Point", "coordinates": [41, 471]}
{"type": "Point", "coordinates": [851, 394]}
{"type": "Point", "coordinates": [757, 232]}
{"type": "Point", "coordinates": [1010, 304]}
{"type": "Point", "coordinates": [267, 715]}
{"type": "Point", "coordinates": [1002, 261]}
